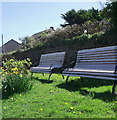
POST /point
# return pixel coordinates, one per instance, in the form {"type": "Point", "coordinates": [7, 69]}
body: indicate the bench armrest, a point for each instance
{"type": "Point", "coordinates": [115, 69]}
{"type": "Point", "coordinates": [70, 64]}
{"type": "Point", "coordinates": [50, 66]}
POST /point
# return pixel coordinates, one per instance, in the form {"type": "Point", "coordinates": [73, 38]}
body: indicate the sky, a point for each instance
{"type": "Point", "coordinates": [20, 19]}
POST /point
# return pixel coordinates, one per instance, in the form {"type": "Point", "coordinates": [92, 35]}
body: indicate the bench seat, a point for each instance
{"type": "Point", "coordinates": [100, 63]}
{"type": "Point", "coordinates": [41, 69]}
{"type": "Point", "coordinates": [101, 74]}
{"type": "Point", "coordinates": [48, 62]}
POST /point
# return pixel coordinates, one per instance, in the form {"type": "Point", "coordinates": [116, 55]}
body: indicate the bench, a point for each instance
{"type": "Point", "coordinates": [100, 63]}
{"type": "Point", "coordinates": [49, 63]}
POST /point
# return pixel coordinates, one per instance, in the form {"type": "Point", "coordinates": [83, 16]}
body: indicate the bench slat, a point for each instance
{"type": "Point", "coordinates": [95, 63]}
{"type": "Point", "coordinates": [47, 60]}
{"type": "Point", "coordinates": [91, 73]}
{"type": "Point", "coordinates": [88, 76]}
{"type": "Point", "coordinates": [110, 48]}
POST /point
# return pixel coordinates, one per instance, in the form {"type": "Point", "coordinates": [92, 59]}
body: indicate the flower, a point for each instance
{"type": "Point", "coordinates": [15, 72]}
{"type": "Point", "coordinates": [20, 75]}
{"type": "Point", "coordinates": [7, 73]}
{"type": "Point", "coordinates": [3, 70]}
{"type": "Point", "coordinates": [11, 98]}
{"type": "Point", "coordinates": [66, 103]}
{"type": "Point", "coordinates": [3, 74]}
{"type": "Point", "coordinates": [50, 90]}
{"type": "Point", "coordinates": [71, 108]}
{"type": "Point", "coordinates": [4, 107]}
{"type": "Point", "coordinates": [14, 69]}
{"type": "Point", "coordinates": [41, 109]}
{"type": "Point", "coordinates": [74, 112]}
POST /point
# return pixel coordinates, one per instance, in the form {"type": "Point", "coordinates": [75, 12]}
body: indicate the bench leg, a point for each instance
{"type": "Point", "coordinates": [63, 76]}
{"type": "Point", "coordinates": [81, 78]}
{"type": "Point", "coordinates": [49, 76]}
{"type": "Point", "coordinates": [67, 79]}
{"type": "Point", "coordinates": [43, 74]}
{"type": "Point", "coordinates": [113, 88]}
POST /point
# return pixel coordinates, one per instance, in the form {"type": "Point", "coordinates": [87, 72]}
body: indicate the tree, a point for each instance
{"type": "Point", "coordinates": [27, 42]}
{"type": "Point", "coordinates": [72, 17]}
{"type": "Point", "coordinates": [94, 15]}
{"type": "Point", "coordinates": [110, 13]}
{"type": "Point", "coordinates": [69, 17]}
{"type": "Point", "coordinates": [114, 14]}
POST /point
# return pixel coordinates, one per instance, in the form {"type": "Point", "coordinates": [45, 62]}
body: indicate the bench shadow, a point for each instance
{"type": "Point", "coordinates": [106, 96]}
{"type": "Point", "coordinates": [78, 85]}
{"type": "Point", "coordinates": [44, 81]}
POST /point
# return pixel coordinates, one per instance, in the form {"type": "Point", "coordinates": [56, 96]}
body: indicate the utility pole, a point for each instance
{"type": "Point", "coordinates": [2, 45]}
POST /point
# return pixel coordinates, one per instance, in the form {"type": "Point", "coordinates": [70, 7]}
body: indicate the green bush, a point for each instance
{"type": "Point", "coordinates": [16, 77]}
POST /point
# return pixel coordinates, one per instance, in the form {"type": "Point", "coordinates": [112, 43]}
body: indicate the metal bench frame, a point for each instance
{"type": "Point", "coordinates": [49, 62]}
{"type": "Point", "coordinates": [100, 63]}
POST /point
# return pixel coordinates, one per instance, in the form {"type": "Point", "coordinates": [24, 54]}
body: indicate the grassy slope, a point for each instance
{"type": "Point", "coordinates": [79, 99]}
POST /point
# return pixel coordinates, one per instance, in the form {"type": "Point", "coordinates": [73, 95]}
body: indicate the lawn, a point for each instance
{"type": "Point", "coordinates": [89, 98]}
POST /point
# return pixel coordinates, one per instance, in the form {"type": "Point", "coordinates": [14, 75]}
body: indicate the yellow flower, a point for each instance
{"type": "Point", "coordinates": [4, 107]}
{"type": "Point", "coordinates": [3, 74]}
{"type": "Point", "coordinates": [74, 112]}
{"type": "Point", "coordinates": [66, 103]}
{"type": "Point", "coordinates": [41, 109]}
{"type": "Point", "coordinates": [15, 72]}
{"type": "Point", "coordinates": [3, 70]}
{"type": "Point", "coordinates": [20, 75]}
{"type": "Point", "coordinates": [7, 73]}
{"type": "Point", "coordinates": [50, 90]}
{"type": "Point", "coordinates": [71, 108]}
{"type": "Point", "coordinates": [20, 95]}
{"type": "Point", "coordinates": [11, 98]}
{"type": "Point", "coordinates": [14, 69]}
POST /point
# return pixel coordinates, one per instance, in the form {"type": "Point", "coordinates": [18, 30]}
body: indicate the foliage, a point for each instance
{"type": "Point", "coordinates": [106, 12]}
{"type": "Point", "coordinates": [16, 77]}
{"type": "Point", "coordinates": [110, 13]}
{"type": "Point", "coordinates": [77, 99]}
{"type": "Point", "coordinates": [114, 14]}
{"type": "Point", "coordinates": [81, 16]}
{"type": "Point", "coordinates": [27, 42]}
{"type": "Point", "coordinates": [71, 31]}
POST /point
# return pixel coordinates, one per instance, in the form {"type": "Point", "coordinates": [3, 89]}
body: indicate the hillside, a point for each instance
{"type": "Point", "coordinates": [84, 29]}
{"type": "Point", "coordinates": [70, 46]}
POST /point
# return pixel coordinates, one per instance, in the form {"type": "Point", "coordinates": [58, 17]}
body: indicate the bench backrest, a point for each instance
{"type": "Point", "coordinates": [104, 58]}
{"type": "Point", "coordinates": [54, 59]}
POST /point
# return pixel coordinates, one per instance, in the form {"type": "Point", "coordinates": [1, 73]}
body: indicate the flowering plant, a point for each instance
{"type": "Point", "coordinates": [16, 77]}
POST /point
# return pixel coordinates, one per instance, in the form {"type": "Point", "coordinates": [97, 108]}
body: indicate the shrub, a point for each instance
{"type": "Point", "coordinates": [16, 77]}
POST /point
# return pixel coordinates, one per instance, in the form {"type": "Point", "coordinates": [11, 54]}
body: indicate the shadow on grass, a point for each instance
{"type": "Point", "coordinates": [44, 81]}
{"type": "Point", "coordinates": [78, 85]}
{"type": "Point", "coordinates": [105, 96]}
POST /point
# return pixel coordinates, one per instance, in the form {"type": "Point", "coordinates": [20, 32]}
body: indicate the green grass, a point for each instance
{"type": "Point", "coordinates": [89, 98]}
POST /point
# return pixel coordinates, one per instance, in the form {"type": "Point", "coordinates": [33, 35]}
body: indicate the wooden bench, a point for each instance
{"type": "Point", "coordinates": [49, 62]}
{"type": "Point", "coordinates": [100, 63]}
